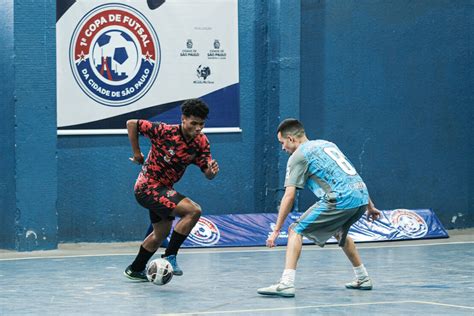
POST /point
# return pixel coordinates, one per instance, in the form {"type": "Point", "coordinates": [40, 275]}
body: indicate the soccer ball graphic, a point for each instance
{"type": "Point", "coordinates": [159, 271]}
{"type": "Point", "coordinates": [115, 57]}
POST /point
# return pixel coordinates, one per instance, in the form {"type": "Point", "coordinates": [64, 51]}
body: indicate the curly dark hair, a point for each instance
{"type": "Point", "coordinates": [195, 107]}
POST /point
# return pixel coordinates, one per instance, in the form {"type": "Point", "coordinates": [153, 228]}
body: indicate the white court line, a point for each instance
{"type": "Point", "coordinates": [256, 310]}
{"type": "Point", "coordinates": [213, 251]}
{"type": "Point", "coordinates": [442, 304]}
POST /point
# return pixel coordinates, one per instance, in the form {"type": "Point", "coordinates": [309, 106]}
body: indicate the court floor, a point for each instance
{"type": "Point", "coordinates": [425, 277]}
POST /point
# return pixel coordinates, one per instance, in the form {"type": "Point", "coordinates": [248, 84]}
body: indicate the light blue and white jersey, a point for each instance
{"type": "Point", "coordinates": [326, 171]}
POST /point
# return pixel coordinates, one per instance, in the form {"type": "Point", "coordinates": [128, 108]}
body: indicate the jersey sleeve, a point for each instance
{"type": "Point", "coordinates": [296, 171]}
{"type": "Point", "coordinates": [150, 129]}
{"type": "Point", "coordinates": [204, 154]}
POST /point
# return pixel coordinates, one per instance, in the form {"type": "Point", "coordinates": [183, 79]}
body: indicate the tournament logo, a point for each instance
{"type": "Point", "coordinates": [409, 223]}
{"type": "Point", "coordinates": [205, 233]}
{"type": "Point", "coordinates": [114, 54]}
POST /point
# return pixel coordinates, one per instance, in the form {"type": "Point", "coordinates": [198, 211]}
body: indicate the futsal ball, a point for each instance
{"type": "Point", "coordinates": [159, 271]}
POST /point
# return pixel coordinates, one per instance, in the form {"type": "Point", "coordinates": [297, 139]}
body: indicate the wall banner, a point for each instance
{"type": "Point", "coordinates": [118, 60]}
{"type": "Point", "coordinates": [253, 229]}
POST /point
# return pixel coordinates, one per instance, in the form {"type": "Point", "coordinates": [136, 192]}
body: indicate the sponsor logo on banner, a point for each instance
{"type": "Point", "coordinates": [203, 72]}
{"type": "Point", "coordinates": [217, 52]}
{"type": "Point", "coordinates": [114, 54]}
{"type": "Point", "coordinates": [205, 233]}
{"type": "Point", "coordinates": [409, 223]}
{"type": "Point", "coordinates": [189, 51]}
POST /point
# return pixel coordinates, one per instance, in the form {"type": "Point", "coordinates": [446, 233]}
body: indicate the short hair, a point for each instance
{"type": "Point", "coordinates": [195, 107]}
{"type": "Point", "coordinates": [291, 127]}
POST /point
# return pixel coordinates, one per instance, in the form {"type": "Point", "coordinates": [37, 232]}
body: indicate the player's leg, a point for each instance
{"type": "Point", "coordinates": [190, 212]}
{"type": "Point", "coordinates": [362, 280]}
{"type": "Point", "coordinates": [351, 252]}
{"type": "Point", "coordinates": [160, 231]}
{"type": "Point", "coordinates": [148, 248]}
{"type": "Point", "coordinates": [160, 201]}
{"type": "Point", "coordinates": [293, 252]}
{"type": "Point", "coordinates": [306, 224]}
{"type": "Point", "coordinates": [321, 221]}
{"type": "Point", "coordinates": [286, 286]}
{"type": "Point", "coordinates": [293, 249]}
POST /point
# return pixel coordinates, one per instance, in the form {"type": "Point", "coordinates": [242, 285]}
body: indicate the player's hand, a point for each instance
{"type": "Point", "coordinates": [213, 167]}
{"type": "Point", "coordinates": [372, 213]}
{"type": "Point", "coordinates": [138, 159]}
{"type": "Point", "coordinates": [271, 239]}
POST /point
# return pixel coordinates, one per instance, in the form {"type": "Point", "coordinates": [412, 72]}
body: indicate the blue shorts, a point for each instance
{"type": "Point", "coordinates": [320, 222]}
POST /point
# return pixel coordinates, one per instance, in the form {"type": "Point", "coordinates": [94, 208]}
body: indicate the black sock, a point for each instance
{"type": "Point", "coordinates": [175, 243]}
{"type": "Point", "coordinates": [142, 258]}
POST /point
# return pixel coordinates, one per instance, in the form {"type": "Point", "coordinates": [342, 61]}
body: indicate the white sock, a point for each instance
{"type": "Point", "coordinates": [360, 272]}
{"type": "Point", "coordinates": [288, 276]}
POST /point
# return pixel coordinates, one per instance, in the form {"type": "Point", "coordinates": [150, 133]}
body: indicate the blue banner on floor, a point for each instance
{"type": "Point", "coordinates": [253, 229]}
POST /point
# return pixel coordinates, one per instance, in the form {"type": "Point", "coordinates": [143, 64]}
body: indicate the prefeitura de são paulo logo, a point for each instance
{"type": "Point", "coordinates": [114, 54]}
{"type": "Point", "coordinates": [205, 233]}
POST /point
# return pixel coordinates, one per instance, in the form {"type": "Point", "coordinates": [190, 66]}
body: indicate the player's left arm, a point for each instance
{"type": "Point", "coordinates": [372, 212]}
{"type": "Point", "coordinates": [212, 169]}
{"type": "Point", "coordinates": [285, 208]}
{"type": "Point", "coordinates": [204, 160]}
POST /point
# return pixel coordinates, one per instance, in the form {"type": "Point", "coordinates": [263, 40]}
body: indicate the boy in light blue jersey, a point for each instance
{"type": "Point", "coordinates": [342, 199]}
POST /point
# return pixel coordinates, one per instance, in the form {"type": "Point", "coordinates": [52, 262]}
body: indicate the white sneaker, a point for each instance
{"type": "Point", "coordinates": [360, 284]}
{"type": "Point", "coordinates": [279, 289]}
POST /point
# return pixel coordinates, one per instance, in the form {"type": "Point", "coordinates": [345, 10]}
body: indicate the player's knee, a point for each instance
{"type": "Point", "coordinates": [293, 234]}
{"type": "Point", "coordinates": [193, 210]}
{"type": "Point", "coordinates": [196, 211]}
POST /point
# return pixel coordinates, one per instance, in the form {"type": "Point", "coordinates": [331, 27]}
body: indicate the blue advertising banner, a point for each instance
{"type": "Point", "coordinates": [253, 229]}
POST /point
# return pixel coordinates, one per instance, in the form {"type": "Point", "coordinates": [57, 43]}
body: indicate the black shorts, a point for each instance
{"type": "Point", "coordinates": [160, 202]}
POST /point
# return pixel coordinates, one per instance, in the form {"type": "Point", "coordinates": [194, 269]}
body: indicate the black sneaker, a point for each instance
{"type": "Point", "coordinates": [134, 275]}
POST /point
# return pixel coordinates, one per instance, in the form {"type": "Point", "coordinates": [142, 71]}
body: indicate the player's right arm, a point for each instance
{"type": "Point", "coordinates": [295, 179]}
{"type": "Point", "coordinates": [286, 206]}
{"type": "Point", "coordinates": [132, 129]}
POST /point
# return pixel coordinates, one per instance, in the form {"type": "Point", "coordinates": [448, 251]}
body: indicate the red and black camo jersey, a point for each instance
{"type": "Point", "coordinates": [170, 154]}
